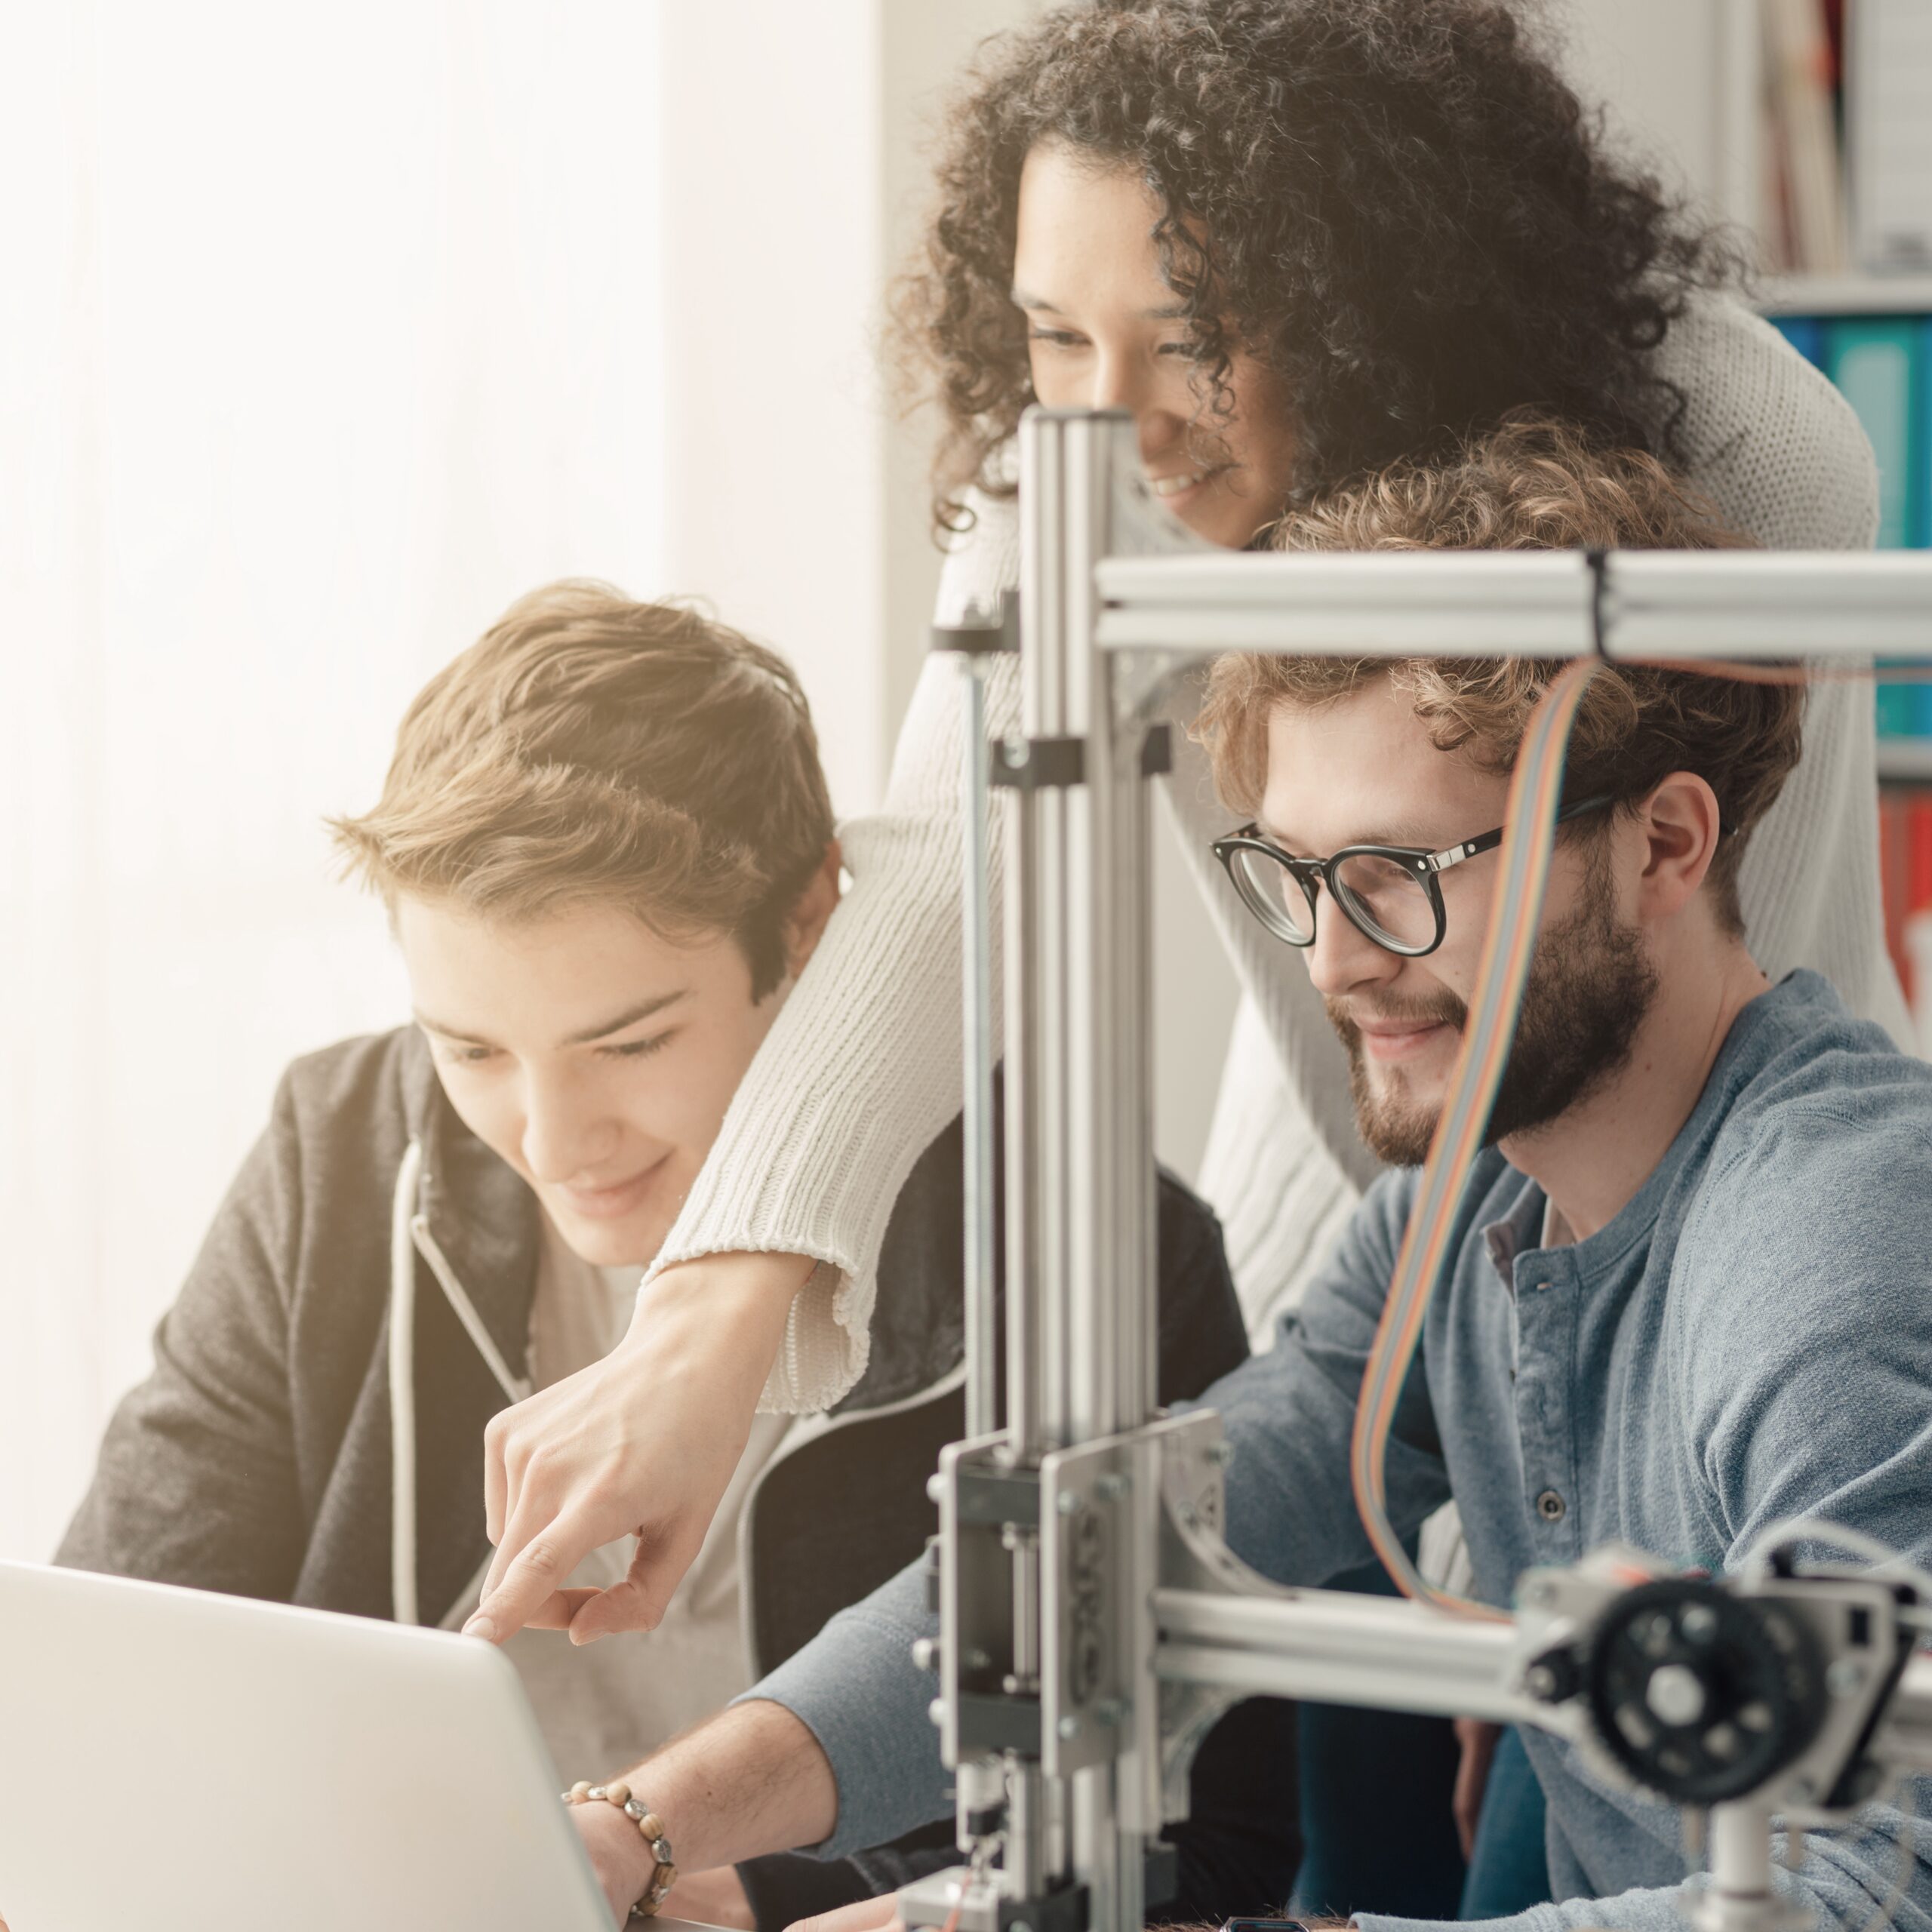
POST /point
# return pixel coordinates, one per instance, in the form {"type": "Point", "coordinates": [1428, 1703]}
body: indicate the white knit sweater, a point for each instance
{"type": "Point", "coordinates": [862, 1068]}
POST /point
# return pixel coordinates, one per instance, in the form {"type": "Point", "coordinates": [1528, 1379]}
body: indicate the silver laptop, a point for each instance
{"type": "Point", "coordinates": [185, 1762]}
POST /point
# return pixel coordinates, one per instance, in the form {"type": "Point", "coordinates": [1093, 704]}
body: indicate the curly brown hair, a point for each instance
{"type": "Point", "coordinates": [1529, 485]}
{"type": "Point", "coordinates": [1396, 205]}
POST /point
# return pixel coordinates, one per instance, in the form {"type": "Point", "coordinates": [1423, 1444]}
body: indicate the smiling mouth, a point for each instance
{"type": "Point", "coordinates": [604, 1203]}
{"type": "Point", "coordinates": [1184, 480]}
{"type": "Point", "coordinates": [1399, 1039]}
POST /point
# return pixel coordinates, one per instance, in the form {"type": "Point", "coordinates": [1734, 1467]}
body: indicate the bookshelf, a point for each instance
{"type": "Point", "coordinates": [1845, 295]}
{"type": "Point", "coordinates": [1905, 761]}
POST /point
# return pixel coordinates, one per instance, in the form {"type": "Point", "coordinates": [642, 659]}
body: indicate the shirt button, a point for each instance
{"type": "Point", "coordinates": [1550, 1506]}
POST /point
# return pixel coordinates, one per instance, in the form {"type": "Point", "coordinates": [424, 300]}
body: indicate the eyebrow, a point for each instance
{"type": "Point", "coordinates": [1176, 311]}
{"type": "Point", "coordinates": [644, 1009]}
{"type": "Point", "coordinates": [1407, 836]}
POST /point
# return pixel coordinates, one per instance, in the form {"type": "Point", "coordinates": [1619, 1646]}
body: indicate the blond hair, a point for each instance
{"type": "Point", "coordinates": [589, 749]}
{"type": "Point", "coordinates": [1529, 484]}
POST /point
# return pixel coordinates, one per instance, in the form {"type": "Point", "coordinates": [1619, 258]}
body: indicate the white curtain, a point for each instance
{"type": "Point", "coordinates": [323, 334]}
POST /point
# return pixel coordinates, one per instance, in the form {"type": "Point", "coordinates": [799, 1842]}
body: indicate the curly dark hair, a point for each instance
{"type": "Point", "coordinates": [1397, 206]}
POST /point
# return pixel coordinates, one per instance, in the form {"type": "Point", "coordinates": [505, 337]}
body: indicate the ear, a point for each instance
{"type": "Point", "coordinates": [804, 924]}
{"type": "Point", "coordinates": [1681, 824]}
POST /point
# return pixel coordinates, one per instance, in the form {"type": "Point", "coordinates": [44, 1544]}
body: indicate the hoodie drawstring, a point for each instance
{"type": "Point", "coordinates": [402, 1389]}
{"type": "Point", "coordinates": [409, 1236]}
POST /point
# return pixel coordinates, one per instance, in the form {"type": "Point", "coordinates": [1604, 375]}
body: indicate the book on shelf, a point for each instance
{"type": "Point", "coordinates": [1888, 121]}
{"type": "Point", "coordinates": [1905, 877]}
{"type": "Point", "coordinates": [1882, 364]}
{"type": "Point", "coordinates": [1804, 221]}
{"type": "Point", "coordinates": [1845, 136]}
{"type": "Point", "coordinates": [1878, 363]}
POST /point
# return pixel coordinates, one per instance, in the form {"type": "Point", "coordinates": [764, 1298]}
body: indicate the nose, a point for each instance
{"type": "Point", "coordinates": [1344, 958]}
{"type": "Point", "coordinates": [1122, 381]}
{"type": "Point", "coordinates": [566, 1135]}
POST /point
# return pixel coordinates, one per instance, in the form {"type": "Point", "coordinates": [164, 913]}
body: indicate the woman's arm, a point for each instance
{"type": "Point", "coordinates": [1779, 451]}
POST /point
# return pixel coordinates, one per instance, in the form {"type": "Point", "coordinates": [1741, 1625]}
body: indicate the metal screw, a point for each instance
{"type": "Point", "coordinates": [935, 1710]}
{"type": "Point", "coordinates": [1113, 1486]}
{"type": "Point", "coordinates": [925, 1654]}
{"type": "Point", "coordinates": [1845, 1679]}
{"type": "Point", "coordinates": [1675, 1695]}
{"type": "Point", "coordinates": [1070, 1502]}
{"type": "Point", "coordinates": [1699, 1622]}
{"type": "Point", "coordinates": [935, 1488]}
{"type": "Point", "coordinates": [1540, 1681]}
{"type": "Point", "coordinates": [1110, 1712]}
{"type": "Point", "coordinates": [1069, 1727]}
{"type": "Point", "coordinates": [978, 1659]}
{"type": "Point", "coordinates": [1220, 1454]}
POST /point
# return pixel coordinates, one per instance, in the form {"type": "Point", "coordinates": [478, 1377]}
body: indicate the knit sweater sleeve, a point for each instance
{"type": "Point", "coordinates": [862, 1068]}
{"type": "Point", "coordinates": [1779, 451]}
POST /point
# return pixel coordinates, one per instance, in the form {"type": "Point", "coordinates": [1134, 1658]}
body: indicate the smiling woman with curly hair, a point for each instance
{"type": "Point", "coordinates": [1396, 206]}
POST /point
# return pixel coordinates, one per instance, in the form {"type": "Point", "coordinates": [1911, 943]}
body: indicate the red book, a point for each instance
{"type": "Point", "coordinates": [1919, 849]}
{"type": "Point", "coordinates": [1895, 875]}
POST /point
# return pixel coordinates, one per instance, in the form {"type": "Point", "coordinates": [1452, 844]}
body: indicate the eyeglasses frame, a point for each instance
{"type": "Point", "coordinates": [1427, 866]}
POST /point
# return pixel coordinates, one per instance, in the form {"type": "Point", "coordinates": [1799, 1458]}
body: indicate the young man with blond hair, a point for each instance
{"type": "Point", "coordinates": [1701, 1216]}
{"type": "Point", "coordinates": [606, 852]}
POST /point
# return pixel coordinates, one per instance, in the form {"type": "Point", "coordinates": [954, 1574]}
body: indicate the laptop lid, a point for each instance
{"type": "Point", "coordinates": [188, 1762]}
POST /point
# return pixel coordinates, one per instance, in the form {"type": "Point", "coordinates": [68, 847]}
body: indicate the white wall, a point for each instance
{"type": "Point", "coordinates": [1679, 79]}
{"type": "Point", "coordinates": [320, 338]}
{"type": "Point", "coordinates": [795, 178]}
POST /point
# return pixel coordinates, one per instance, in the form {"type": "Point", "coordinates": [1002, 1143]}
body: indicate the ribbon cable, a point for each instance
{"type": "Point", "coordinates": [1523, 864]}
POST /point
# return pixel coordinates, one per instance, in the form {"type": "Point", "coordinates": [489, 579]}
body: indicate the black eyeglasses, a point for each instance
{"type": "Point", "coordinates": [1388, 892]}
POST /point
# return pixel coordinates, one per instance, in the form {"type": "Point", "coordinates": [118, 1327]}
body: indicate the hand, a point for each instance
{"type": "Point", "coordinates": [879, 1914]}
{"type": "Point", "coordinates": [642, 1443]}
{"type": "Point", "coordinates": [716, 1897]}
{"type": "Point", "coordinates": [621, 1859]}
{"type": "Point", "coordinates": [1478, 1741]}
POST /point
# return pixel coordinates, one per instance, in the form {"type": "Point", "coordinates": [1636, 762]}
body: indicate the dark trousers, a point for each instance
{"type": "Point", "coordinates": [1377, 1787]}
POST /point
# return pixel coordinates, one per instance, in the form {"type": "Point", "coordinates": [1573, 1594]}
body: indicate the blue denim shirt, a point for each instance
{"type": "Point", "coordinates": [1749, 1339]}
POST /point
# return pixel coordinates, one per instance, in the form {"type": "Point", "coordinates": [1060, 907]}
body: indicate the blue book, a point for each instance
{"type": "Point", "coordinates": [1920, 535]}
{"type": "Point", "coordinates": [1806, 334]}
{"type": "Point", "coordinates": [1878, 363]}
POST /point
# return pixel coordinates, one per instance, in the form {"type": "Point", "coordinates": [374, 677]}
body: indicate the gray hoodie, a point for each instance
{"type": "Point", "coordinates": [260, 1457]}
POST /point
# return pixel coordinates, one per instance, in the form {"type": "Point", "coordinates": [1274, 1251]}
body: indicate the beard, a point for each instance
{"type": "Point", "coordinates": [1590, 985]}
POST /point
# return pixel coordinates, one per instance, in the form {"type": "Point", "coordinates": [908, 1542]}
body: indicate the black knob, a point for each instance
{"type": "Point", "coordinates": [1700, 1696]}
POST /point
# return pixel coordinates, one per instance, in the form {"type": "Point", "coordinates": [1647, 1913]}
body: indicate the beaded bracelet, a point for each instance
{"type": "Point", "coordinates": [651, 1827]}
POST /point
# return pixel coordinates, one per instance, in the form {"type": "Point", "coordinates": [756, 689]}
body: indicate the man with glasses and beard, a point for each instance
{"type": "Point", "coordinates": [1701, 1220]}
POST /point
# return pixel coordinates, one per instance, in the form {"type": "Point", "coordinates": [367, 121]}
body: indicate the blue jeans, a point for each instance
{"type": "Point", "coordinates": [1509, 1872]}
{"type": "Point", "coordinates": [1376, 1787]}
